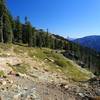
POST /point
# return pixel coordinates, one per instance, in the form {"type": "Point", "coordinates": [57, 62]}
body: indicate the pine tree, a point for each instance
{"type": "Point", "coordinates": [51, 42]}
{"type": "Point", "coordinates": [1, 28]}
{"type": "Point", "coordinates": [18, 30]}
{"type": "Point", "coordinates": [1, 22]}
{"type": "Point", "coordinates": [47, 41]}
{"type": "Point", "coordinates": [60, 44]}
{"type": "Point", "coordinates": [42, 34]}
{"type": "Point", "coordinates": [40, 38]}
{"type": "Point", "coordinates": [34, 36]}
{"type": "Point", "coordinates": [29, 32]}
{"type": "Point", "coordinates": [6, 28]}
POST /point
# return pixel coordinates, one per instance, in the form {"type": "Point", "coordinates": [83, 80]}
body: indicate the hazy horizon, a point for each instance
{"type": "Point", "coordinates": [73, 18]}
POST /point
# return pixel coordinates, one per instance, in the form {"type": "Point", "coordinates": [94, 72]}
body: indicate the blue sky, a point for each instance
{"type": "Point", "coordinates": [73, 18]}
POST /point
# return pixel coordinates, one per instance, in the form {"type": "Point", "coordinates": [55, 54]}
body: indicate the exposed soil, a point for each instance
{"type": "Point", "coordinates": [41, 84]}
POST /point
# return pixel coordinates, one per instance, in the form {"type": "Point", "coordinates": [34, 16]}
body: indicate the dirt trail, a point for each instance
{"type": "Point", "coordinates": [17, 89]}
{"type": "Point", "coordinates": [25, 88]}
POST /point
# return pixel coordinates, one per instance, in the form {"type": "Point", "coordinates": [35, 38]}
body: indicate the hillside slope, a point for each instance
{"type": "Point", "coordinates": [31, 72]}
{"type": "Point", "coordinates": [43, 59]}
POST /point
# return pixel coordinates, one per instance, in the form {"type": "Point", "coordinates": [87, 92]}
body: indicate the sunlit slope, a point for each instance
{"type": "Point", "coordinates": [47, 59]}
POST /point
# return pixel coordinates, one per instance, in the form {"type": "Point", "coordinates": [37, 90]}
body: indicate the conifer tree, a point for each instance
{"type": "Point", "coordinates": [5, 24]}
{"type": "Point", "coordinates": [51, 42]}
{"type": "Point", "coordinates": [29, 32]}
{"type": "Point", "coordinates": [34, 36]}
{"type": "Point", "coordinates": [7, 29]}
{"type": "Point", "coordinates": [1, 28]}
{"type": "Point", "coordinates": [18, 30]}
{"type": "Point", "coordinates": [47, 41]}
{"type": "Point", "coordinates": [1, 21]}
{"type": "Point", "coordinates": [25, 33]}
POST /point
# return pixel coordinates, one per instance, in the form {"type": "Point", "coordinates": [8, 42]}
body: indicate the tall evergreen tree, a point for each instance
{"type": "Point", "coordinates": [34, 36]}
{"type": "Point", "coordinates": [40, 38]}
{"type": "Point", "coordinates": [29, 32]}
{"type": "Point", "coordinates": [24, 33]}
{"type": "Point", "coordinates": [1, 28]}
{"type": "Point", "coordinates": [7, 29]}
{"type": "Point", "coordinates": [1, 21]}
{"type": "Point", "coordinates": [47, 40]}
{"type": "Point", "coordinates": [18, 30]}
{"type": "Point", "coordinates": [5, 24]}
{"type": "Point", "coordinates": [51, 42]}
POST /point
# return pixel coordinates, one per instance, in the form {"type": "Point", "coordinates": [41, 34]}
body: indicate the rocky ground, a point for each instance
{"type": "Point", "coordinates": [17, 87]}
{"type": "Point", "coordinates": [22, 88]}
{"type": "Point", "coordinates": [27, 78]}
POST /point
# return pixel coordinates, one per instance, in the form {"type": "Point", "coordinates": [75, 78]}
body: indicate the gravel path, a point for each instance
{"type": "Point", "coordinates": [20, 88]}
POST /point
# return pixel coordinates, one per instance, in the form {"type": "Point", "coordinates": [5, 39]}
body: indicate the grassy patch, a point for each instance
{"type": "Point", "coordinates": [5, 47]}
{"type": "Point", "coordinates": [60, 62]}
{"type": "Point", "coordinates": [40, 53]}
{"type": "Point", "coordinates": [20, 49]}
{"type": "Point", "coordinates": [22, 68]}
{"type": "Point", "coordinates": [55, 61]}
{"type": "Point", "coordinates": [1, 73]}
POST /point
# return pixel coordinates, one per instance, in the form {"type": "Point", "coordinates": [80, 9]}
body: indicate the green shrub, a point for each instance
{"type": "Point", "coordinates": [60, 63]}
{"type": "Point", "coordinates": [22, 68]}
{"type": "Point", "coordinates": [1, 73]}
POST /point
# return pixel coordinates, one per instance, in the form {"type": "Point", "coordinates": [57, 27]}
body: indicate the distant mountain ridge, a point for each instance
{"type": "Point", "coordinates": [92, 42]}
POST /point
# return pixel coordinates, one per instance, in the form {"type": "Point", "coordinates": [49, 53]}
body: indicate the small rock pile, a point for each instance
{"type": "Point", "coordinates": [89, 90]}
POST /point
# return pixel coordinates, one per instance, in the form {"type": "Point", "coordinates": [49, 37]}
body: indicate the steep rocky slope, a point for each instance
{"type": "Point", "coordinates": [41, 74]}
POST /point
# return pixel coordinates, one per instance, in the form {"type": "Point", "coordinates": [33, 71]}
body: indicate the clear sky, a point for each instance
{"type": "Point", "coordinates": [73, 18]}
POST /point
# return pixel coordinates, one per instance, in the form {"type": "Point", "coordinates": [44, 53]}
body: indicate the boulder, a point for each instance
{"type": "Point", "coordinates": [17, 96]}
{"type": "Point", "coordinates": [98, 92]}
{"type": "Point", "coordinates": [3, 82]}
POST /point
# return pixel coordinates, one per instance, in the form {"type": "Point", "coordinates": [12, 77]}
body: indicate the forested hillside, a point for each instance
{"type": "Point", "coordinates": [90, 41]}
{"type": "Point", "coordinates": [13, 31]}
{"type": "Point", "coordinates": [86, 57]}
